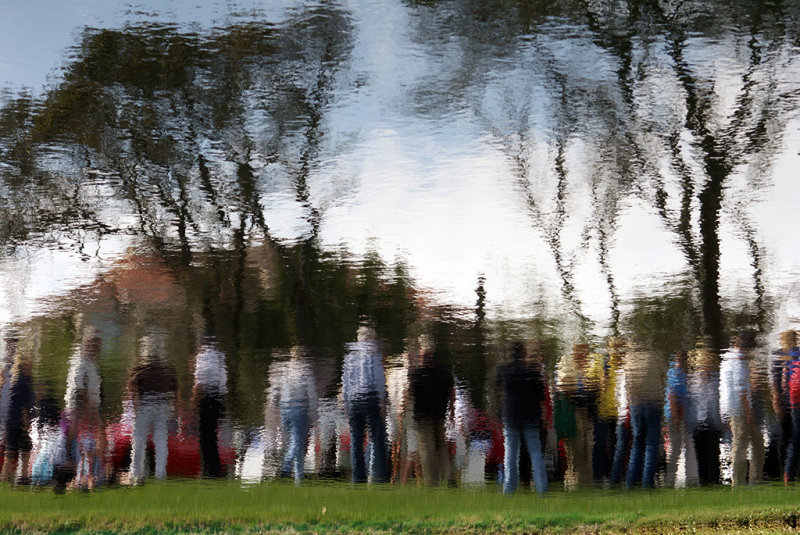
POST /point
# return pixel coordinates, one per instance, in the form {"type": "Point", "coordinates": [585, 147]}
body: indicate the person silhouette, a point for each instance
{"type": "Point", "coordinates": [364, 394]}
{"type": "Point", "coordinates": [153, 386]}
{"type": "Point", "coordinates": [522, 388]}
{"type": "Point", "coordinates": [737, 408]}
{"type": "Point", "coordinates": [292, 389]}
{"type": "Point", "coordinates": [210, 389]}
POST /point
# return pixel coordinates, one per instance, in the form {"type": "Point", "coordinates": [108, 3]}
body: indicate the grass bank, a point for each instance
{"type": "Point", "coordinates": [204, 506]}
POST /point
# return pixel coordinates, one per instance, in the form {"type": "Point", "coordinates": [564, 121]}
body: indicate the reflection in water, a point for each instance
{"type": "Point", "coordinates": [293, 392]}
{"type": "Point", "coordinates": [522, 386]}
{"type": "Point", "coordinates": [152, 387]}
{"type": "Point", "coordinates": [693, 419]}
{"type": "Point", "coordinates": [206, 196]}
{"type": "Point", "coordinates": [364, 394]}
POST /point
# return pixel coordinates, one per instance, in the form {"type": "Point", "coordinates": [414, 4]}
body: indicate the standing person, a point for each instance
{"type": "Point", "coordinates": [676, 413]}
{"type": "Point", "coordinates": [210, 389]}
{"type": "Point", "coordinates": [705, 424]}
{"type": "Point", "coordinates": [293, 389]}
{"type": "Point", "coordinates": [792, 389]}
{"type": "Point", "coordinates": [616, 403]}
{"type": "Point", "coordinates": [779, 427]}
{"type": "Point", "coordinates": [644, 382]}
{"type": "Point", "coordinates": [736, 407]}
{"type": "Point", "coordinates": [364, 394]}
{"type": "Point", "coordinates": [153, 386]}
{"type": "Point", "coordinates": [7, 362]}
{"type": "Point", "coordinates": [49, 442]}
{"type": "Point", "coordinates": [522, 387]}
{"type": "Point", "coordinates": [599, 375]}
{"type": "Point", "coordinates": [18, 419]}
{"type": "Point", "coordinates": [431, 386]}
{"type": "Point", "coordinates": [578, 398]}
{"type": "Point", "coordinates": [399, 420]}
{"type": "Point", "coordinates": [85, 433]}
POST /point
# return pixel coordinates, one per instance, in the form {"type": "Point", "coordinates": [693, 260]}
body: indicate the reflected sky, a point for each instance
{"type": "Point", "coordinates": [432, 179]}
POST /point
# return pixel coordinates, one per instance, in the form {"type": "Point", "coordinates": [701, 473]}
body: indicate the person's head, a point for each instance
{"type": "Point", "coordinates": [518, 352]}
{"type": "Point", "coordinates": [426, 343]}
{"type": "Point", "coordinates": [580, 352]}
{"type": "Point", "coordinates": [151, 347]}
{"type": "Point", "coordinates": [745, 340]}
{"type": "Point", "coordinates": [788, 339]}
{"type": "Point", "coordinates": [12, 342]}
{"type": "Point", "coordinates": [702, 357]}
{"type": "Point", "coordinates": [366, 333]}
{"type": "Point", "coordinates": [535, 351]}
{"type": "Point", "coordinates": [427, 350]}
{"type": "Point", "coordinates": [91, 342]}
{"type": "Point", "coordinates": [616, 343]}
{"type": "Point", "coordinates": [616, 349]}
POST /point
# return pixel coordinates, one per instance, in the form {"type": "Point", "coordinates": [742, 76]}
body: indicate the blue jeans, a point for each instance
{"type": "Point", "coordinates": [365, 414]}
{"type": "Point", "coordinates": [295, 420]}
{"type": "Point", "coordinates": [793, 451]}
{"type": "Point", "coordinates": [512, 434]}
{"type": "Point", "coordinates": [646, 428]}
{"type": "Point", "coordinates": [620, 453]}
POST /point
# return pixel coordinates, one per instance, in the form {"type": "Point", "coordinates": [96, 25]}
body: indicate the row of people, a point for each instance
{"type": "Point", "coordinates": [602, 417]}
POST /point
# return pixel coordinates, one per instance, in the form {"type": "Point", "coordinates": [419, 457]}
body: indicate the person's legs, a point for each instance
{"type": "Point", "coordinates": [534, 443]}
{"type": "Point", "coordinates": [600, 448]}
{"type": "Point", "coordinates": [294, 421]}
{"type": "Point", "coordinates": [210, 408]}
{"type": "Point", "coordinates": [707, 439]}
{"type": "Point", "coordinates": [793, 448]}
{"type": "Point", "coordinates": [676, 442]}
{"type": "Point", "coordinates": [511, 436]}
{"type": "Point", "coordinates": [636, 463]}
{"type": "Point", "coordinates": [620, 453]}
{"type": "Point", "coordinates": [691, 458]}
{"type": "Point", "coordinates": [426, 445]}
{"type": "Point", "coordinates": [443, 461]}
{"type": "Point", "coordinates": [356, 416]}
{"type": "Point", "coordinates": [739, 449]}
{"type": "Point", "coordinates": [142, 422]}
{"type": "Point", "coordinates": [376, 425]}
{"type": "Point", "coordinates": [757, 453]}
{"type": "Point", "coordinates": [652, 421]}
{"type": "Point", "coordinates": [162, 411]}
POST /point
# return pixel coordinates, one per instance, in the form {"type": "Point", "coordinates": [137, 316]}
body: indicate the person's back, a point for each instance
{"type": "Point", "coordinates": [362, 371]}
{"type": "Point", "coordinates": [523, 392]}
{"type": "Point", "coordinates": [522, 388]}
{"type": "Point", "coordinates": [645, 374]}
{"type": "Point", "coordinates": [431, 386]}
{"type": "Point", "coordinates": [677, 391]}
{"type": "Point", "coordinates": [153, 377]}
{"type": "Point", "coordinates": [736, 406]}
{"type": "Point", "coordinates": [364, 390]}
{"type": "Point", "coordinates": [734, 385]}
{"type": "Point", "coordinates": [153, 384]}
{"type": "Point", "coordinates": [210, 372]}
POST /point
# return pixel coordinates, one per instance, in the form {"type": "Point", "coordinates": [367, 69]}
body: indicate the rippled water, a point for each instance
{"type": "Point", "coordinates": [397, 241]}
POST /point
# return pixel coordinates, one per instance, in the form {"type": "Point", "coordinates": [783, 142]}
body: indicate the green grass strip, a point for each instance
{"type": "Point", "coordinates": [216, 507]}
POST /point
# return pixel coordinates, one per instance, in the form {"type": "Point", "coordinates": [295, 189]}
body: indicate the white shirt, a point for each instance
{"type": "Point", "coordinates": [83, 382]}
{"type": "Point", "coordinates": [292, 383]}
{"type": "Point", "coordinates": [210, 373]}
{"type": "Point", "coordinates": [362, 371]}
{"type": "Point", "coordinates": [734, 383]}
